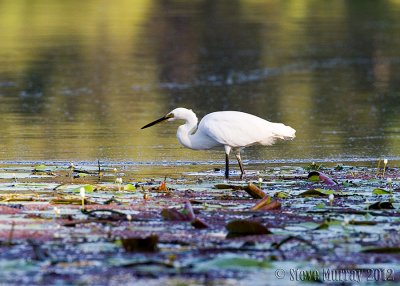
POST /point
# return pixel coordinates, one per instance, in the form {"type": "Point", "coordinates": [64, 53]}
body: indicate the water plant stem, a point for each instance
{"type": "Point", "coordinates": [11, 234]}
{"type": "Point", "coordinates": [378, 168]}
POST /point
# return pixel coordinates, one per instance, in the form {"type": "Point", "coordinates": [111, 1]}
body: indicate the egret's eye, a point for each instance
{"type": "Point", "coordinates": [170, 115]}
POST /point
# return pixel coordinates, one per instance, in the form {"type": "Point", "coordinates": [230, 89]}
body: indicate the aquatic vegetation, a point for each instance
{"type": "Point", "coordinates": [82, 193]}
{"type": "Point", "coordinates": [192, 225]}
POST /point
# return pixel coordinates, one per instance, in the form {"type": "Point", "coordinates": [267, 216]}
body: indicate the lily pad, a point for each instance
{"type": "Point", "coordinates": [267, 204]}
{"type": "Point", "coordinates": [316, 193]}
{"type": "Point", "coordinates": [379, 191]}
{"type": "Point", "coordinates": [316, 176]}
{"type": "Point", "coordinates": [389, 250]}
{"type": "Point", "coordinates": [129, 187]}
{"type": "Point", "coordinates": [254, 191]}
{"type": "Point", "coordinates": [43, 168]}
{"type": "Point", "coordinates": [138, 244]}
{"type": "Point", "coordinates": [245, 227]}
{"type": "Point", "coordinates": [281, 195]}
{"type": "Point", "coordinates": [87, 188]}
{"type": "Point", "coordinates": [232, 262]}
{"type": "Point", "coordinates": [381, 205]}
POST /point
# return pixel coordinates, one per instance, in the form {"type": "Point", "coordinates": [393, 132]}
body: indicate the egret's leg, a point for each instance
{"type": "Point", "coordinates": [226, 166]}
{"type": "Point", "coordinates": [227, 151]}
{"type": "Point", "coordinates": [239, 159]}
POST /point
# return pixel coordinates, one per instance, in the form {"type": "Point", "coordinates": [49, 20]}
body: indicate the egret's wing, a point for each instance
{"type": "Point", "coordinates": [238, 129]}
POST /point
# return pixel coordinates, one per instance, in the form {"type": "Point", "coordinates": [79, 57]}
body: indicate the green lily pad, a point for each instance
{"type": "Point", "coordinates": [87, 188]}
{"type": "Point", "coordinates": [314, 178]}
{"type": "Point", "coordinates": [379, 191]}
{"type": "Point", "coordinates": [281, 195]}
{"type": "Point", "coordinates": [80, 175]}
{"type": "Point", "coordinates": [129, 187]}
{"type": "Point", "coordinates": [42, 168]}
{"type": "Point", "coordinates": [316, 193]}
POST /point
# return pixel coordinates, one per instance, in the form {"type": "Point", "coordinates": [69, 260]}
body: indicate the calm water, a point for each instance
{"type": "Point", "coordinates": [79, 78]}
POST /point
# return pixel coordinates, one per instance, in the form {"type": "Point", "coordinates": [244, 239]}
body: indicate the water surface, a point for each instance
{"type": "Point", "coordinates": [79, 79]}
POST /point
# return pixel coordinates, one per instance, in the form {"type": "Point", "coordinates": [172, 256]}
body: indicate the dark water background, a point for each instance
{"type": "Point", "coordinates": [79, 78]}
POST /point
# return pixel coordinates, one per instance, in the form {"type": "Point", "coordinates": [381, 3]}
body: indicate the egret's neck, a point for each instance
{"type": "Point", "coordinates": [186, 130]}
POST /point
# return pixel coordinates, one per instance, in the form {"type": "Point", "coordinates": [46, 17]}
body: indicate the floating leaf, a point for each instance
{"type": "Point", "coordinates": [80, 175]}
{"type": "Point", "coordinates": [70, 200]}
{"type": "Point", "coordinates": [16, 198]}
{"type": "Point", "coordinates": [379, 191]}
{"type": "Point", "coordinates": [322, 226]}
{"type": "Point", "coordinates": [135, 244]}
{"type": "Point", "coordinates": [112, 200]}
{"type": "Point", "coordinates": [267, 204]}
{"type": "Point", "coordinates": [232, 262]}
{"type": "Point", "coordinates": [274, 205]}
{"type": "Point", "coordinates": [316, 193]}
{"type": "Point", "coordinates": [245, 227]}
{"type": "Point", "coordinates": [319, 206]}
{"type": "Point", "coordinates": [199, 224]}
{"type": "Point", "coordinates": [41, 168]}
{"type": "Point", "coordinates": [106, 214]}
{"type": "Point", "coordinates": [388, 250]}
{"type": "Point", "coordinates": [266, 200]}
{"type": "Point", "coordinates": [87, 188]}
{"type": "Point", "coordinates": [281, 195]}
{"type": "Point", "coordinates": [187, 214]}
{"type": "Point", "coordinates": [254, 191]}
{"type": "Point", "coordinates": [227, 187]}
{"type": "Point", "coordinates": [129, 187]}
{"type": "Point", "coordinates": [315, 176]}
{"type": "Point", "coordinates": [339, 167]}
{"type": "Point", "coordinates": [173, 215]}
{"type": "Point", "coordinates": [362, 222]}
{"type": "Point", "coordinates": [381, 206]}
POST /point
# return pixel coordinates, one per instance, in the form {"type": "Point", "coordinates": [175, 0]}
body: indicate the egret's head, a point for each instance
{"type": "Point", "coordinates": [177, 113]}
{"type": "Point", "coordinates": [180, 113]}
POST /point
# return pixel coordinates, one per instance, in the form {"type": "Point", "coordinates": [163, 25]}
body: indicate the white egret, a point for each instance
{"type": "Point", "coordinates": [232, 130]}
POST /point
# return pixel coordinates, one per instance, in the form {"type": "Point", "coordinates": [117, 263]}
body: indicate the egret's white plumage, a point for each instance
{"type": "Point", "coordinates": [229, 129]}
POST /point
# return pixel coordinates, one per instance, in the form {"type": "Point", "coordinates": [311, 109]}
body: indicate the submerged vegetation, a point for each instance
{"type": "Point", "coordinates": [98, 224]}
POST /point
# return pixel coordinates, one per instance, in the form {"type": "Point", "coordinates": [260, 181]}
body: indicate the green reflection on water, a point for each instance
{"type": "Point", "coordinates": [79, 79]}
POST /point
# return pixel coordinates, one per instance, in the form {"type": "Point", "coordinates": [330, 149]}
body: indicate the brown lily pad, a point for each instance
{"type": "Point", "coordinates": [137, 244]}
{"type": "Point", "coordinates": [238, 228]}
{"type": "Point", "coordinates": [381, 206]}
{"type": "Point", "coordinates": [254, 191]}
{"type": "Point", "coordinates": [267, 204]}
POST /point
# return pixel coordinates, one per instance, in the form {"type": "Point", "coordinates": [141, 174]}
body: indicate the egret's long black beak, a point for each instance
{"type": "Point", "coordinates": [166, 117]}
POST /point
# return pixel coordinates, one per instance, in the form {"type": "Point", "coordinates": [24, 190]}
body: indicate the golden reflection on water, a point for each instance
{"type": "Point", "coordinates": [79, 79]}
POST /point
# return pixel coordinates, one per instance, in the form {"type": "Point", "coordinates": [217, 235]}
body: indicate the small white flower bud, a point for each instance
{"type": "Point", "coordinates": [82, 192]}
